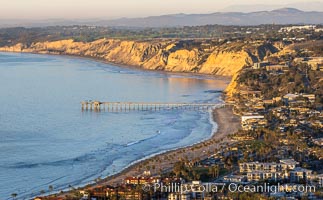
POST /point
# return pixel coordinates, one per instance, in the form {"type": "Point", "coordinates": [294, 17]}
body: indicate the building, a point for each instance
{"type": "Point", "coordinates": [179, 196]}
{"type": "Point", "coordinates": [268, 101]}
{"type": "Point", "coordinates": [248, 117]}
{"type": "Point", "coordinates": [84, 193]}
{"type": "Point", "coordinates": [310, 97]}
{"type": "Point", "coordinates": [289, 164]}
{"type": "Point", "coordinates": [131, 180]}
{"type": "Point", "coordinates": [316, 179]}
{"type": "Point", "coordinates": [263, 175]}
{"type": "Point", "coordinates": [289, 97]}
{"type": "Point", "coordinates": [234, 179]}
{"type": "Point", "coordinates": [316, 63]}
{"type": "Point", "coordinates": [295, 28]}
{"type": "Point", "coordinates": [252, 122]}
{"type": "Point", "coordinates": [277, 67]}
{"type": "Point", "coordinates": [299, 174]}
{"type": "Point", "coordinates": [141, 180]}
{"type": "Point", "coordinates": [124, 194]}
{"type": "Point", "coordinates": [318, 141]}
{"type": "Point", "coordinates": [284, 165]}
{"type": "Point", "coordinates": [260, 65]}
{"type": "Point", "coordinates": [298, 98]}
{"type": "Point", "coordinates": [250, 93]}
{"type": "Point", "coordinates": [285, 169]}
{"type": "Point", "coordinates": [196, 191]}
{"type": "Point", "coordinates": [257, 166]}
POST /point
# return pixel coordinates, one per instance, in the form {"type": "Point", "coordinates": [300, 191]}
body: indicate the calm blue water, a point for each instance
{"type": "Point", "coordinates": [45, 139]}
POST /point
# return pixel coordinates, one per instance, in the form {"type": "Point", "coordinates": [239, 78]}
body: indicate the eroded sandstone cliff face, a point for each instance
{"type": "Point", "coordinates": [225, 59]}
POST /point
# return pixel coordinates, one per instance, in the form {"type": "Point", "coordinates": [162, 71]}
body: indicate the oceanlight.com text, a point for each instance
{"type": "Point", "coordinates": [230, 187]}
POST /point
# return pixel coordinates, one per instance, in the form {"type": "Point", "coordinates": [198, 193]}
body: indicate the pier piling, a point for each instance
{"type": "Point", "coordinates": [98, 106]}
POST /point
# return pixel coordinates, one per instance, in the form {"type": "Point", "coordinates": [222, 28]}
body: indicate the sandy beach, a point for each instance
{"type": "Point", "coordinates": [227, 122]}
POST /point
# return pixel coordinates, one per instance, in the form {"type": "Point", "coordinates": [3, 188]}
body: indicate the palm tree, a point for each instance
{"type": "Point", "coordinates": [214, 171]}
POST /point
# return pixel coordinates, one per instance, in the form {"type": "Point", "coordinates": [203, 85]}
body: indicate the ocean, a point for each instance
{"type": "Point", "coordinates": [46, 139]}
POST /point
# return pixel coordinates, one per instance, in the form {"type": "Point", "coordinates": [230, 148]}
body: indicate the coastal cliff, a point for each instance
{"type": "Point", "coordinates": [225, 59]}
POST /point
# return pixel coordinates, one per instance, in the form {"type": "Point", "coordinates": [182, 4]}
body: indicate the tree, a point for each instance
{"type": "Point", "coordinates": [178, 168]}
{"type": "Point", "coordinates": [214, 171]}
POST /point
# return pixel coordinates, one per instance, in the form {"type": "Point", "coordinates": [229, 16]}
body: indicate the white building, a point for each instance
{"type": "Point", "coordinates": [292, 28]}
{"type": "Point", "coordinates": [263, 175]}
{"type": "Point", "coordinates": [299, 174]}
{"type": "Point", "coordinates": [234, 178]}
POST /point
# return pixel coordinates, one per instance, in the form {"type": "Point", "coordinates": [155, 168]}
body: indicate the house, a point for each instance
{"type": "Point", "coordinates": [299, 174]}
{"type": "Point", "coordinates": [131, 180]}
{"type": "Point", "coordinates": [260, 65]}
{"type": "Point", "coordinates": [268, 101]}
{"type": "Point", "coordinates": [277, 99]}
{"type": "Point", "coordinates": [289, 163]}
{"type": "Point", "coordinates": [179, 196]}
{"type": "Point", "coordinates": [84, 193]}
{"type": "Point", "coordinates": [250, 93]}
{"type": "Point", "coordinates": [317, 179]}
{"type": "Point", "coordinates": [251, 122]}
{"type": "Point", "coordinates": [290, 97]}
{"type": "Point", "coordinates": [141, 180]}
{"type": "Point", "coordinates": [248, 117]}
{"type": "Point", "coordinates": [286, 168]}
{"type": "Point", "coordinates": [293, 28]}
{"type": "Point", "coordinates": [234, 178]}
{"type": "Point", "coordinates": [284, 67]}
{"type": "Point", "coordinates": [316, 63]}
{"type": "Point", "coordinates": [257, 166]}
{"type": "Point", "coordinates": [263, 175]}
{"type": "Point", "coordinates": [310, 97]}
{"type": "Point", "coordinates": [196, 191]}
{"type": "Point", "coordinates": [318, 141]}
{"type": "Point", "coordinates": [284, 165]}
{"type": "Point", "coordinates": [123, 193]}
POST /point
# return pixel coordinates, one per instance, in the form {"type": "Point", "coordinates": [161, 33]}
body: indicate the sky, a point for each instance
{"type": "Point", "coordinates": [110, 9]}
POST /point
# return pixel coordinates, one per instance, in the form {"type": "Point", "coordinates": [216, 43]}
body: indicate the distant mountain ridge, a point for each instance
{"type": "Point", "coordinates": [278, 16]}
{"type": "Point", "coordinates": [246, 8]}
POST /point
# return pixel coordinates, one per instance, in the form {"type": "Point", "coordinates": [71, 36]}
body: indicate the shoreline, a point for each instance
{"type": "Point", "coordinates": [196, 150]}
{"type": "Point", "coordinates": [218, 138]}
{"type": "Point", "coordinates": [227, 123]}
{"type": "Point", "coordinates": [217, 134]}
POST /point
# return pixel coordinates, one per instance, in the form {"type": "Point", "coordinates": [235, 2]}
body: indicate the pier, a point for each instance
{"type": "Point", "coordinates": [144, 106]}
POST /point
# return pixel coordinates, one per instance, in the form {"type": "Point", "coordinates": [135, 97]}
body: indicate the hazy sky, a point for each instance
{"type": "Point", "coordinates": [44, 9]}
